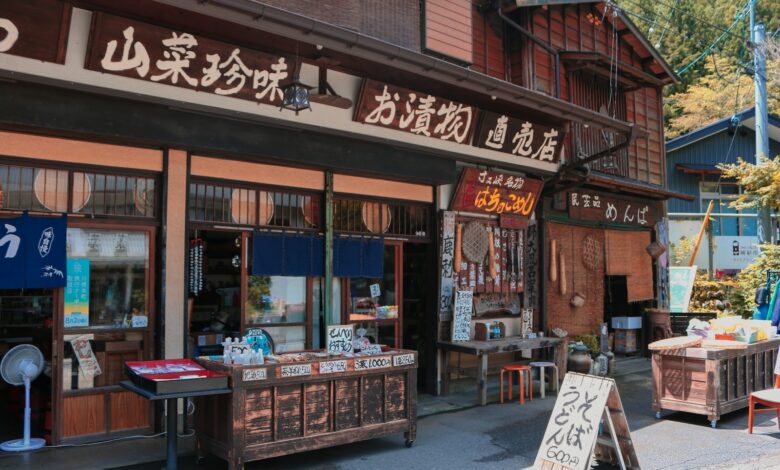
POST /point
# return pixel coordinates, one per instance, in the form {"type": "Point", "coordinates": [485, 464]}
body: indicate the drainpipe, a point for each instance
{"type": "Point", "coordinates": [327, 295]}
{"type": "Point", "coordinates": [548, 48]}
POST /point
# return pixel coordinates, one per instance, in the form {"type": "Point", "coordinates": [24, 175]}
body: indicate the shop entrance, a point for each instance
{"type": "Point", "coordinates": [26, 317]}
{"type": "Point", "coordinates": [215, 289]}
{"type": "Point", "coordinates": [419, 316]}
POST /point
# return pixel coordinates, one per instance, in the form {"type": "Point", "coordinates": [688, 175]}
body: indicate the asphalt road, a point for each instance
{"type": "Point", "coordinates": [493, 437]}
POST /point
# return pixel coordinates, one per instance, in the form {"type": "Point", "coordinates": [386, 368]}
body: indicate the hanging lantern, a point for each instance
{"type": "Point", "coordinates": [296, 96]}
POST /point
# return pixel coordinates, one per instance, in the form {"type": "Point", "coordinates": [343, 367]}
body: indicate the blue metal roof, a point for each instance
{"type": "Point", "coordinates": [714, 128]}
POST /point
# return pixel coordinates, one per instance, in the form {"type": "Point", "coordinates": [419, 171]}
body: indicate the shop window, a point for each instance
{"type": "Point", "coordinates": [246, 206]}
{"type": "Point", "coordinates": [108, 279]}
{"type": "Point", "coordinates": [107, 194]}
{"type": "Point", "coordinates": [278, 304]}
{"type": "Point", "coordinates": [362, 216]}
{"type": "Point", "coordinates": [723, 194]}
{"type": "Point", "coordinates": [106, 301]}
{"type": "Point", "coordinates": [56, 190]}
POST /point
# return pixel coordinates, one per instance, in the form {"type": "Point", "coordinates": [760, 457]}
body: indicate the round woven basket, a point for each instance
{"type": "Point", "coordinates": [475, 242]}
{"type": "Point", "coordinates": [592, 253]}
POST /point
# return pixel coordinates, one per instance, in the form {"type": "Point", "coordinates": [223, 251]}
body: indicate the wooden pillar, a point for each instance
{"type": "Point", "coordinates": [174, 242]}
{"type": "Point", "coordinates": [328, 273]}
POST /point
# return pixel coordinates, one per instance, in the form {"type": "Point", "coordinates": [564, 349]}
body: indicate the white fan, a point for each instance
{"type": "Point", "coordinates": [21, 365]}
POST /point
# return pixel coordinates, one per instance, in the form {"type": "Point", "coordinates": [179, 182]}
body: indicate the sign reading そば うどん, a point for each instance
{"type": "Point", "coordinates": [496, 193]}
{"type": "Point", "coordinates": [139, 50]}
{"type": "Point", "coordinates": [519, 137]}
{"type": "Point", "coordinates": [601, 207]}
{"type": "Point", "coordinates": [406, 110]}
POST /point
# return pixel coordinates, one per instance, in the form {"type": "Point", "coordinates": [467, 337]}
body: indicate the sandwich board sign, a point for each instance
{"type": "Point", "coordinates": [574, 432]}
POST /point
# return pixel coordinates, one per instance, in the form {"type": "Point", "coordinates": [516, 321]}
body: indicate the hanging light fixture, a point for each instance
{"type": "Point", "coordinates": [295, 95]}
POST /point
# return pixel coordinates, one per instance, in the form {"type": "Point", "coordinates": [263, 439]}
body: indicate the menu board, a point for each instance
{"type": "Point", "coordinates": [461, 319]}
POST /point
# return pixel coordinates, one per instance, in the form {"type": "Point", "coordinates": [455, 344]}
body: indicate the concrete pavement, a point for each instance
{"type": "Point", "coordinates": [492, 437]}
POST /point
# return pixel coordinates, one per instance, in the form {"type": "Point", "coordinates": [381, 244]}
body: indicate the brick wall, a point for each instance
{"type": "Point", "coordinates": [590, 283]}
{"type": "Point", "coordinates": [394, 21]}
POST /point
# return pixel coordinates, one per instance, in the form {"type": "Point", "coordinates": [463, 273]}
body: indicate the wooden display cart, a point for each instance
{"type": "Point", "coordinates": [284, 408]}
{"type": "Point", "coordinates": [711, 381]}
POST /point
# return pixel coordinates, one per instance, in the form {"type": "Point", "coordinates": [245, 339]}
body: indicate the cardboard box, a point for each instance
{"type": "Point", "coordinates": [208, 339]}
{"type": "Point", "coordinates": [625, 341]}
{"type": "Point", "coordinates": [626, 323]}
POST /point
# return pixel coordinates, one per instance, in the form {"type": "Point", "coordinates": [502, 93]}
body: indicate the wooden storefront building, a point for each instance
{"type": "Point", "coordinates": [156, 126]}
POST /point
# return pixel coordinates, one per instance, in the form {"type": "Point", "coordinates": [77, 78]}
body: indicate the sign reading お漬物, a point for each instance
{"type": "Point", "coordinates": [161, 55]}
{"type": "Point", "coordinates": [339, 339]}
{"type": "Point", "coordinates": [418, 113]}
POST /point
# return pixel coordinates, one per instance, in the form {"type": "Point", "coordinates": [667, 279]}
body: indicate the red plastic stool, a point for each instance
{"type": "Point", "coordinates": [521, 370]}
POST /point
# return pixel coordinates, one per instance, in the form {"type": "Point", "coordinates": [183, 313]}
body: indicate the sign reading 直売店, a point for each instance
{"type": "Point", "coordinates": [518, 137]}
{"type": "Point", "coordinates": [161, 55]}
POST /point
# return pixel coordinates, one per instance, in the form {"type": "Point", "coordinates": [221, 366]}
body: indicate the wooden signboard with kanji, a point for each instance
{"type": "Point", "coordinates": [495, 193]}
{"type": "Point", "coordinates": [161, 55]}
{"type": "Point", "coordinates": [575, 432]}
{"type": "Point", "coordinates": [519, 137]}
{"type": "Point", "coordinates": [37, 29]}
{"type": "Point", "coordinates": [393, 107]}
{"type": "Point", "coordinates": [585, 204]}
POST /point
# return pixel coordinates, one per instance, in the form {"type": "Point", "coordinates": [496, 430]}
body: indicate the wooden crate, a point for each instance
{"type": "Point", "coordinates": [710, 381]}
{"type": "Point", "coordinates": [269, 415]}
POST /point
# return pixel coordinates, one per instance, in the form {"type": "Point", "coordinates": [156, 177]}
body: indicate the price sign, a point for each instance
{"type": "Point", "coordinates": [461, 319]}
{"type": "Point", "coordinates": [339, 339]}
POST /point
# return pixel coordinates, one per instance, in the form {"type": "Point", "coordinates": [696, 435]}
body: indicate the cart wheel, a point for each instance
{"type": "Point", "coordinates": [714, 423]}
{"type": "Point", "coordinates": [657, 415]}
{"type": "Point", "coordinates": [409, 443]}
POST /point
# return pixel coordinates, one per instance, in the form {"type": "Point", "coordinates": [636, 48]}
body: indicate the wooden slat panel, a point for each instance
{"type": "Point", "coordinates": [373, 399]}
{"type": "Point", "coordinates": [448, 28]}
{"type": "Point", "coordinates": [128, 411]}
{"type": "Point", "coordinates": [288, 412]}
{"type": "Point", "coordinates": [346, 403]}
{"type": "Point", "coordinates": [259, 413]}
{"type": "Point", "coordinates": [395, 391]}
{"type": "Point", "coordinates": [318, 406]}
{"type": "Point", "coordinates": [84, 414]}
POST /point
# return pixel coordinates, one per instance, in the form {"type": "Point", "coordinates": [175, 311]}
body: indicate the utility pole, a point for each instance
{"type": "Point", "coordinates": [758, 37]}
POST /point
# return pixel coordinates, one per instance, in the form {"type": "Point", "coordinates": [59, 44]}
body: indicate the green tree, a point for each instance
{"type": "Point", "coordinates": [760, 183]}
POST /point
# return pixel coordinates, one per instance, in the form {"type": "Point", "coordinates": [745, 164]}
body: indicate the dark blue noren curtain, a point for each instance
{"type": "Point", "coordinates": [374, 259]}
{"type": "Point", "coordinates": [32, 252]}
{"type": "Point", "coordinates": [277, 254]}
{"type": "Point", "coordinates": [358, 257]}
{"type": "Point", "coordinates": [267, 254]}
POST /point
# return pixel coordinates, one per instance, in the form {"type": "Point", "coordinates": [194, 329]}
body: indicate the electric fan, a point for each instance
{"type": "Point", "coordinates": [21, 365]}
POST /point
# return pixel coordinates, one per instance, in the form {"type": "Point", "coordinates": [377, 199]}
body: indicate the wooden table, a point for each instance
{"type": "Point", "coordinates": [710, 381]}
{"type": "Point", "coordinates": [171, 429]}
{"type": "Point", "coordinates": [482, 349]}
{"type": "Point", "coordinates": [282, 408]}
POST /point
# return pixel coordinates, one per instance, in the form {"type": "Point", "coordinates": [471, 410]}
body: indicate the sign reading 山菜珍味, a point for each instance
{"type": "Point", "coordinates": [418, 113]}
{"type": "Point", "coordinates": [518, 137]}
{"type": "Point", "coordinates": [161, 55]}
{"type": "Point", "coordinates": [496, 193]}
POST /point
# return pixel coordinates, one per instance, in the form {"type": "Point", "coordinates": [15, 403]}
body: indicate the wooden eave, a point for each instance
{"type": "Point", "coordinates": [600, 64]}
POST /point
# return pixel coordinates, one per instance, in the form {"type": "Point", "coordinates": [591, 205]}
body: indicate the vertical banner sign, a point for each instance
{"type": "Point", "coordinates": [447, 255]}
{"type": "Point", "coordinates": [662, 235]}
{"type": "Point", "coordinates": [77, 293]}
{"type": "Point", "coordinates": [339, 339]}
{"type": "Point", "coordinates": [680, 287]}
{"type": "Point", "coordinates": [32, 252]}
{"type": "Point", "coordinates": [461, 318]}
{"type": "Point", "coordinates": [575, 424]}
